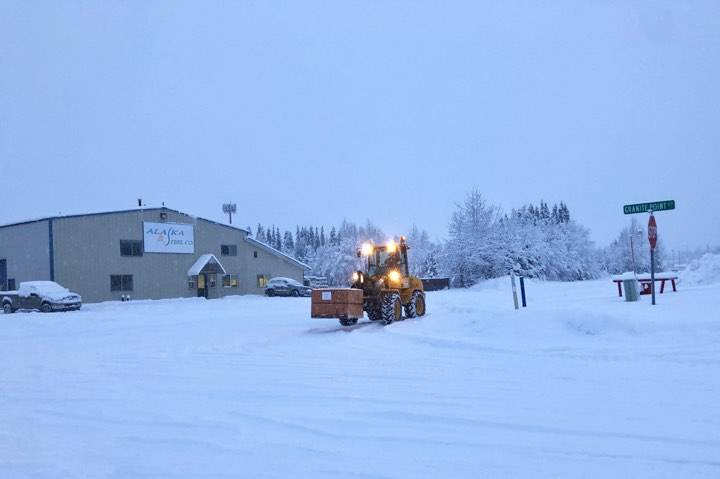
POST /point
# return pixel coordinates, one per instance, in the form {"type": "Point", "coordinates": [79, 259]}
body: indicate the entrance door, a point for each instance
{"type": "Point", "coordinates": [3, 275]}
{"type": "Point", "coordinates": [202, 286]}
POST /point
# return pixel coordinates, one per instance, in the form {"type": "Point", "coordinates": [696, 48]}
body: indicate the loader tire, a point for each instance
{"type": "Point", "coordinates": [348, 321]}
{"type": "Point", "coordinates": [416, 306]}
{"type": "Point", "coordinates": [374, 313]}
{"type": "Point", "coordinates": [391, 308]}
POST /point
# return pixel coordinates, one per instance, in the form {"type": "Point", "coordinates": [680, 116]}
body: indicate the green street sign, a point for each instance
{"type": "Point", "coordinates": [645, 207]}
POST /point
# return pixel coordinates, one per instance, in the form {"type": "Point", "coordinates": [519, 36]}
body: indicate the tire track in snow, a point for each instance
{"type": "Point", "coordinates": [533, 428]}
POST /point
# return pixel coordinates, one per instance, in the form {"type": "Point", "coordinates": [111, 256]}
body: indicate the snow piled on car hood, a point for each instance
{"type": "Point", "coordinates": [60, 295]}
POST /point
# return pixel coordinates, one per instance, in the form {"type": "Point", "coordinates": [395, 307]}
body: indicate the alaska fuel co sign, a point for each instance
{"type": "Point", "coordinates": [168, 238]}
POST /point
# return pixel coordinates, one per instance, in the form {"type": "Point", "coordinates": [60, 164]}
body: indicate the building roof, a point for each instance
{"type": "Point", "coordinates": [135, 210]}
{"type": "Point", "coordinates": [206, 263]}
{"type": "Point", "coordinates": [280, 254]}
{"type": "Point", "coordinates": [252, 241]}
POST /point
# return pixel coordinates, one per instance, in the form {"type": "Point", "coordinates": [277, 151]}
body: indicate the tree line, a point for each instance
{"type": "Point", "coordinates": [535, 240]}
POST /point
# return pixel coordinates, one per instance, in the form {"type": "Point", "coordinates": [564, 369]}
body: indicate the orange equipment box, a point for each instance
{"type": "Point", "coordinates": [346, 303]}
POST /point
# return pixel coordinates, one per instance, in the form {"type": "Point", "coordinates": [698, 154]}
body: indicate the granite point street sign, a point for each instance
{"type": "Point", "coordinates": [649, 207]}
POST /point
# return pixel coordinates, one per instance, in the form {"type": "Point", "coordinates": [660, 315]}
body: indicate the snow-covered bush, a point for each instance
{"type": "Point", "coordinates": [630, 251]}
{"type": "Point", "coordinates": [537, 242]}
{"type": "Point", "coordinates": [705, 270]}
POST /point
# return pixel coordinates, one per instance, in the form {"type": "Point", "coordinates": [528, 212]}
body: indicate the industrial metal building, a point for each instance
{"type": "Point", "coordinates": [149, 253]}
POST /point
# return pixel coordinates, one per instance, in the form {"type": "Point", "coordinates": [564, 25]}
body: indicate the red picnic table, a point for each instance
{"type": "Point", "coordinates": [644, 280]}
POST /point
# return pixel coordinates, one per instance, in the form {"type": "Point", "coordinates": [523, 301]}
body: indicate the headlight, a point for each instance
{"type": "Point", "coordinates": [367, 249]}
{"type": "Point", "coordinates": [394, 276]}
{"type": "Point", "coordinates": [390, 247]}
{"type": "Point", "coordinates": [355, 277]}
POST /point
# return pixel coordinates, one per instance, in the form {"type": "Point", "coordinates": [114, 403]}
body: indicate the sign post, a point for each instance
{"type": "Point", "coordinates": [652, 238]}
{"type": "Point", "coordinates": [652, 230]}
{"type": "Point", "coordinates": [514, 288]}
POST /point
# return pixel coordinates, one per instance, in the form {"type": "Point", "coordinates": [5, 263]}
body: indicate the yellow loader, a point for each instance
{"type": "Point", "coordinates": [387, 286]}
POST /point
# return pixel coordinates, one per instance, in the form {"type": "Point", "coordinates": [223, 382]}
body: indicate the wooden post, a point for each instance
{"type": "Point", "coordinates": [514, 289]}
{"type": "Point", "coordinates": [522, 291]}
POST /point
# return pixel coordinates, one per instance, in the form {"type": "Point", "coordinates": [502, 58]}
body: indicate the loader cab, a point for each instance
{"type": "Point", "coordinates": [384, 259]}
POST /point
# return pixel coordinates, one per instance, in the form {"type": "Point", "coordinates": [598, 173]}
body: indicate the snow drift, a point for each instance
{"type": "Point", "coordinates": [579, 384]}
{"type": "Point", "coordinates": [705, 270]}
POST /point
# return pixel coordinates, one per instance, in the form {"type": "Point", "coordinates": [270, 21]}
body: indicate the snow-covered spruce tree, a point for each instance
{"type": "Point", "coordinates": [534, 241]}
{"type": "Point", "coordinates": [470, 253]}
{"type": "Point", "coordinates": [288, 246]}
{"type": "Point", "coordinates": [337, 262]}
{"type": "Point", "coordinates": [548, 244]}
{"type": "Point", "coordinates": [424, 254]}
{"type": "Point", "coordinates": [431, 267]}
{"type": "Point", "coordinates": [419, 245]}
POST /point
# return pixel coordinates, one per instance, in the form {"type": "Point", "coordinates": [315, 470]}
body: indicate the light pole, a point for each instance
{"type": "Point", "coordinates": [229, 209]}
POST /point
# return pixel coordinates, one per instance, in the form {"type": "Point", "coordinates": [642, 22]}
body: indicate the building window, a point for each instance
{"type": "Point", "coordinates": [121, 282]}
{"type": "Point", "coordinates": [254, 254]}
{"type": "Point", "coordinates": [228, 250]}
{"type": "Point", "coordinates": [230, 281]}
{"type": "Point", "coordinates": [262, 280]}
{"type": "Point", "coordinates": [131, 248]}
{"type": "Point", "coordinates": [191, 283]}
{"type": "Point", "coordinates": [212, 280]}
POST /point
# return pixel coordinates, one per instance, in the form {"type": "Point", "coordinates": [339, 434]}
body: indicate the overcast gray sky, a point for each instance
{"type": "Point", "coordinates": [311, 112]}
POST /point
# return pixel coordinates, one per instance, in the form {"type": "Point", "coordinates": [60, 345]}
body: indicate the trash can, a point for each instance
{"type": "Point", "coordinates": [632, 289]}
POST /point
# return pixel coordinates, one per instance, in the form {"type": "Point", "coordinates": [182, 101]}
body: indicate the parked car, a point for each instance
{"type": "Point", "coordinates": [315, 281]}
{"type": "Point", "coordinates": [45, 296]}
{"type": "Point", "coordinates": [286, 287]}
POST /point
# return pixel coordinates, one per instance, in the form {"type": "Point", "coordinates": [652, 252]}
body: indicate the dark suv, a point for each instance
{"type": "Point", "coordinates": [286, 287]}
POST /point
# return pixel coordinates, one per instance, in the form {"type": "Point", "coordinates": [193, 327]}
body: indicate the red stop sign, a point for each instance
{"type": "Point", "coordinates": [652, 232]}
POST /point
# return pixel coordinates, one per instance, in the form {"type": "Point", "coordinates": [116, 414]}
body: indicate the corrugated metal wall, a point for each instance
{"type": "Point", "coordinates": [26, 249]}
{"type": "Point", "coordinates": [87, 253]}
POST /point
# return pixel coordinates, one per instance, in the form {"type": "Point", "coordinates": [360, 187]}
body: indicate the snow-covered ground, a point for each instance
{"type": "Point", "coordinates": [580, 384]}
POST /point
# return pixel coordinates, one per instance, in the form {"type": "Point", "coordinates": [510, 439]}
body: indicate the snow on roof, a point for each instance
{"type": "Point", "coordinates": [158, 208]}
{"type": "Point", "coordinates": [283, 278]}
{"type": "Point", "coordinates": [282, 255]}
{"type": "Point", "coordinates": [42, 285]}
{"type": "Point", "coordinates": [201, 262]}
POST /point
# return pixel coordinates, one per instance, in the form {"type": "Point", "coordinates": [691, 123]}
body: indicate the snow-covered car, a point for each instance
{"type": "Point", "coordinates": [45, 296]}
{"type": "Point", "coordinates": [286, 287]}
